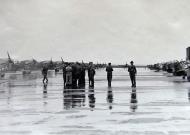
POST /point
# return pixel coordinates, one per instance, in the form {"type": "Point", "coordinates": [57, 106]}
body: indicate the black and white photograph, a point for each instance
{"type": "Point", "coordinates": [94, 67]}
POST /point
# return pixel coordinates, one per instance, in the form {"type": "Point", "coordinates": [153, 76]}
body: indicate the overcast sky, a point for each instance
{"type": "Point", "coordinates": [145, 31]}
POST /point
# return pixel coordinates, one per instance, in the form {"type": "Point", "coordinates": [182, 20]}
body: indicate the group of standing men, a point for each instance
{"type": "Point", "coordinates": [74, 74]}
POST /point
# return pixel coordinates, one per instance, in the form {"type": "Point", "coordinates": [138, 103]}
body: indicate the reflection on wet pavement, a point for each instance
{"type": "Point", "coordinates": [73, 98]}
{"type": "Point", "coordinates": [110, 98]}
{"type": "Point", "coordinates": [159, 105]}
{"type": "Point", "coordinates": [91, 98]}
{"type": "Point", "coordinates": [133, 100]}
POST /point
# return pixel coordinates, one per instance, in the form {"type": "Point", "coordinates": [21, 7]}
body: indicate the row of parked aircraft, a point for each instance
{"type": "Point", "coordinates": [177, 68]}
{"type": "Point", "coordinates": [27, 66]}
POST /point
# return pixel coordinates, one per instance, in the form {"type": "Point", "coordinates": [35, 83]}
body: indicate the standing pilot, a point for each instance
{"type": "Point", "coordinates": [91, 73]}
{"type": "Point", "coordinates": [68, 76]}
{"type": "Point", "coordinates": [109, 71]}
{"type": "Point", "coordinates": [132, 72]}
{"type": "Point", "coordinates": [44, 73]}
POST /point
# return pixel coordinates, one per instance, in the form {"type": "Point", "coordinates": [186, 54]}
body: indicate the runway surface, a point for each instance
{"type": "Point", "coordinates": [29, 108]}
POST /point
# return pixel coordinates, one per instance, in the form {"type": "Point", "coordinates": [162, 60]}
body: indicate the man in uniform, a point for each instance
{"type": "Point", "coordinates": [82, 75]}
{"type": "Point", "coordinates": [68, 76]}
{"type": "Point", "coordinates": [65, 64]}
{"type": "Point", "coordinates": [109, 71]}
{"type": "Point", "coordinates": [91, 73]}
{"type": "Point", "coordinates": [132, 72]}
{"type": "Point", "coordinates": [74, 75]}
{"type": "Point", "coordinates": [78, 74]}
{"type": "Point", "coordinates": [44, 73]}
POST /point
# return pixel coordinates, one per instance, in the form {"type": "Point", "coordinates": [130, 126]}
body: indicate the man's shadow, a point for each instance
{"type": "Point", "coordinates": [45, 96]}
{"type": "Point", "coordinates": [91, 98]}
{"type": "Point", "coordinates": [73, 98]}
{"type": "Point", "coordinates": [134, 101]}
{"type": "Point", "coordinates": [189, 94]}
{"type": "Point", "coordinates": [110, 98]}
{"type": "Point", "coordinates": [45, 88]}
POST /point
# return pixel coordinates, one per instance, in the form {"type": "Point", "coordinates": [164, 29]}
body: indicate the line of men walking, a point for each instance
{"type": "Point", "coordinates": [74, 74]}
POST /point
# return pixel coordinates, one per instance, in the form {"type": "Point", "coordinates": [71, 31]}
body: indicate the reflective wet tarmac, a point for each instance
{"type": "Point", "coordinates": [160, 105]}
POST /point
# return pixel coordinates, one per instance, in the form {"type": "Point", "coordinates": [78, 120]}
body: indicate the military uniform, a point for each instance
{"type": "Point", "coordinates": [64, 74]}
{"type": "Point", "coordinates": [109, 71]}
{"type": "Point", "coordinates": [68, 77]}
{"type": "Point", "coordinates": [91, 73]}
{"type": "Point", "coordinates": [132, 72]}
{"type": "Point", "coordinates": [44, 73]}
{"type": "Point", "coordinates": [82, 77]}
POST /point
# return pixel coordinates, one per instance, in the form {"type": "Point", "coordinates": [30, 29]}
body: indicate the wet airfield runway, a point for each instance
{"type": "Point", "coordinates": [27, 107]}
